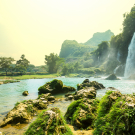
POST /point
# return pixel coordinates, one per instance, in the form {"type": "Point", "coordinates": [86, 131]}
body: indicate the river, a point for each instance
{"type": "Point", "coordinates": [12, 92]}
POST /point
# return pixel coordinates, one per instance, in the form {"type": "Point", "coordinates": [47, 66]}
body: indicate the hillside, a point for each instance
{"type": "Point", "coordinates": [73, 49]}
{"type": "Point", "coordinates": [99, 37]}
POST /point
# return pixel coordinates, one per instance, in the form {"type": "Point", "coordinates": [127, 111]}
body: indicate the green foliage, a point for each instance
{"type": "Point", "coordinates": [101, 53]}
{"type": "Point", "coordinates": [5, 64]}
{"type": "Point", "coordinates": [53, 61]}
{"type": "Point", "coordinates": [120, 42]}
{"type": "Point", "coordinates": [22, 64]}
{"type": "Point", "coordinates": [74, 49]}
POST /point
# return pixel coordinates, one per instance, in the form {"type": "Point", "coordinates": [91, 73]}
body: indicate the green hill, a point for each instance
{"type": "Point", "coordinates": [99, 37]}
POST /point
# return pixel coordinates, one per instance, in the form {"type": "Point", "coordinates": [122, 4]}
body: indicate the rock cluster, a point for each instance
{"type": "Point", "coordinates": [87, 83]}
{"type": "Point", "coordinates": [25, 110]}
{"type": "Point", "coordinates": [88, 92]}
{"type": "Point", "coordinates": [116, 114]}
{"type": "Point", "coordinates": [82, 113]}
{"type": "Point", "coordinates": [49, 122]}
{"type": "Point", "coordinates": [55, 87]}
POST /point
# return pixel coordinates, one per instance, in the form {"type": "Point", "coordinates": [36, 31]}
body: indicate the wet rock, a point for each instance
{"type": "Point", "coordinates": [49, 122]}
{"type": "Point", "coordinates": [86, 83]}
{"type": "Point", "coordinates": [53, 87]}
{"type": "Point", "coordinates": [50, 98]}
{"type": "Point", "coordinates": [18, 114]}
{"type": "Point", "coordinates": [68, 89]}
{"type": "Point", "coordinates": [88, 92]}
{"type": "Point", "coordinates": [112, 77]}
{"type": "Point", "coordinates": [112, 88]}
{"type": "Point", "coordinates": [25, 93]}
{"type": "Point", "coordinates": [116, 114]}
{"type": "Point", "coordinates": [82, 113]}
{"type": "Point", "coordinates": [68, 94]}
{"type": "Point", "coordinates": [70, 97]}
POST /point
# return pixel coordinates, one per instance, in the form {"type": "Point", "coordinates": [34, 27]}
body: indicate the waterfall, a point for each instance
{"type": "Point", "coordinates": [130, 62]}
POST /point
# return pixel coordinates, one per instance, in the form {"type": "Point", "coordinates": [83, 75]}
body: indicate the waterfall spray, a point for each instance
{"type": "Point", "coordinates": [130, 62]}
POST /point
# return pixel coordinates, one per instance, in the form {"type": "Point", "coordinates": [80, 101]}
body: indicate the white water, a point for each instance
{"type": "Point", "coordinates": [130, 62]}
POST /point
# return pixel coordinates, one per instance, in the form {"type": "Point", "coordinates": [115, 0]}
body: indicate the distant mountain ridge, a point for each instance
{"type": "Point", "coordinates": [99, 37]}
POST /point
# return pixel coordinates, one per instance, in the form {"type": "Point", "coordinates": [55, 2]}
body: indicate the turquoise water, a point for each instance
{"type": "Point", "coordinates": [12, 92]}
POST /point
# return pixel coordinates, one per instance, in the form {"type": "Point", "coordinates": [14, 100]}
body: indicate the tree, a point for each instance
{"type": "Point", "coordinates": [22, 64]}
{"type": "Point", "coordinates": [53, 61]}
{"type": "Point", "coordinates": [5, 63]}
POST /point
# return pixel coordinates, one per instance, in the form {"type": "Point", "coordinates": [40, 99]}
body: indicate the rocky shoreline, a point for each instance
{"type": "Point", "coordinates": [84, 112]}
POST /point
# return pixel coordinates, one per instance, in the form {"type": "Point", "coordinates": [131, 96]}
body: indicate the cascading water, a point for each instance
{"type": "Point", "coordinates": [130, 62]}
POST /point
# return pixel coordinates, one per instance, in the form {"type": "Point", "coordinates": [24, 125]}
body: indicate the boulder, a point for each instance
{"type": "Point", "coordinates": [94, 84]}
{"type": "Point", "coordinates": [49, 122]}
{"type": "Point", "coordinates": [70, 97]}
{"type": "Point", "coordinates": [55, 87]}
{"type": "Point", "coordinates": [112, 77]}
{"type": "Point", "coordinates": [116, 114]}
{"type": "Point", "coordinates": [25, 93]}
{"type": "Point", "coordinates": [25, 110]}
{"type": "Point", "coordinates": [82, 113]}
{"type": "Point", "coordinates": [21, 113]}
{"type": "Point", "coordinates": [68, 89]}
{"type": "Point", "coordinates": [88, 92]}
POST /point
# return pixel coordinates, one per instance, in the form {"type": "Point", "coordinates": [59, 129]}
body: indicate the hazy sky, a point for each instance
{"type": "Point", "coordinates": [38, 27]}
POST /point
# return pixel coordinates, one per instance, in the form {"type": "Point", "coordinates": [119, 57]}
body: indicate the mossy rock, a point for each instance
{"type": "Point", "coordinates": [116, 114]}
{"type": "Point", "coordinates": [112, 77]}
{"type": "Point", "coordinates": [88, 92]}
{"type": "Point", "coordinates": [25, 93]}
{"type": "Point", "coordinates": [49, 122]}
{"type": "Point", "coordinates": [21, 113]}
{"type": "Point", "coordinates": [53, 87]}
{"type": "Point", "coordinates": [68, 89]}
{"type": "Point", "coordinates": [87, 83]}
{"type": "Point", "coordinates": [82, 113]}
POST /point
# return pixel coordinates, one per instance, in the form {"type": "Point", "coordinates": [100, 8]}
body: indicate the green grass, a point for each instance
{"type": "Point", "coordinates": [29, 77]}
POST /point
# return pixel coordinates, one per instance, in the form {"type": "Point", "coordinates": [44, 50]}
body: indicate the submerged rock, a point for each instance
{"type": "Point", "coordinates": [86, 83]}
{"type": "Point", "coordinates": [112, 77]}
{"type": "Point", "coordinates": [55, 87]}
{"type": "Point", "coordinates": [25, 93]}
{"type": "Point", "coordinates": [49, 122]}
{"type": "Point", "coordinates": [82, 113]}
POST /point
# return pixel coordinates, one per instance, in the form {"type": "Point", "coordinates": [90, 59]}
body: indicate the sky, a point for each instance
{"type": "Point", "coordinates": [37, 28]}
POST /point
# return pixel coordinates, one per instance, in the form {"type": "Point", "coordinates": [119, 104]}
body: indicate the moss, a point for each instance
{"type": "Point", "coordinates": [82, 113]}
{"type": "Point", "coordinates": [51, 87]}
{"type": "Point", "coordinates": [116, 116]}
{"type": "Point", "coordinates": [43, 125]}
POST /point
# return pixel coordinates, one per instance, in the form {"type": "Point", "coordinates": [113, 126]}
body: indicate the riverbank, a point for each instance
{"type": "Point", "coordinates": [23, 77]}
